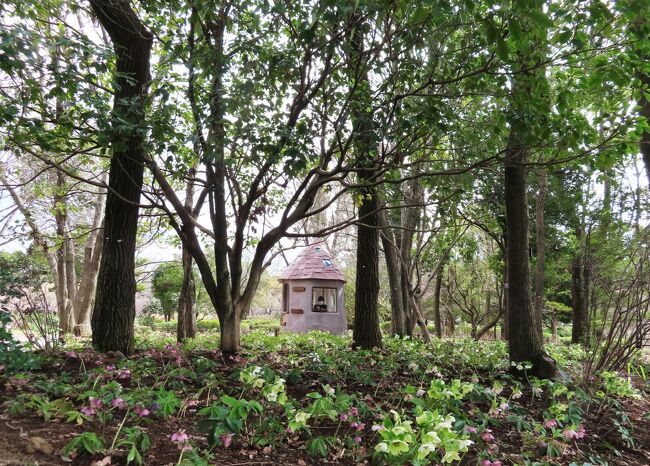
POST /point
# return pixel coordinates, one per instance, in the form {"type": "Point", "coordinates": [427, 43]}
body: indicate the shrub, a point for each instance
{"type": "Point", "coordinates": [207, 324]}
{"type": "Point", "coordinates": [13, 357]}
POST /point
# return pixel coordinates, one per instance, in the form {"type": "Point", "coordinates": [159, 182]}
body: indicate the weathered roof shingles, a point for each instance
{"type": "Point", "coordinates": [315, 262]}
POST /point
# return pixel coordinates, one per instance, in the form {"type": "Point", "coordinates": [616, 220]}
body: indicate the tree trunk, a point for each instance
{"type": "Point", "coordinates": [524, 338]}
{"type": "Point", "coordinates": [578, 301]}
{"type": "Point", "coordinates": [187, 301]}
{"type": "Point", "coordinates": [541, 251]}
{"type": "Point", "coordinates": [640, 28]}
{"type": "Point", "coordinates": [114, 310]}
{"type": "Point", "coordinates": [62, 288]}
{"type": "Point", "coordinates": [436, 304]}
{"type": "Point", "coordinates": [366, 333]}
{"type": "Point", "coordinates": [391, 255]}
{"type": "Point", "coordinates": [410, 217]}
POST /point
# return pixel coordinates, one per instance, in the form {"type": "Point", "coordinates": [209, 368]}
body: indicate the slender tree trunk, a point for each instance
{"type": "Point", "coordinates": [541, 250]}
{"type": "Point", "coordinates": [66, 316]}
{"type": "Point", "coordinates": [187, 301]}
{"type": "Point", "coordinates": [640, 28]}
{"type": "Point", "coordinates": [506, 306]}
{"type": "Point", "coordinates": [578, 301]}
{"type": "Point", "coordinates": [114, 310]}
{"type": "Point", "coordinates": [391, 255]}
{"type": "Point", "coordinates": [437, 318]}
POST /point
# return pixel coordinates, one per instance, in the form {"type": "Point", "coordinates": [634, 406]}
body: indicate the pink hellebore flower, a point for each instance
{"type": "Point", "coordinates": [493, 448]}
{"type": "Point", "coordinates": [550, 423]}
{"type": "Point", "coordinates": [353, 425]}
{"type": "Point", "coordinates": [141, 410]}
{"type": "Point", "coordinates": [119, 403]}
{"type": "Point", "coordinates": [357, 439]}
{"type": "Point", "coordinates": [179, 437]}
{"type": "Point", "coordinates": [95, 402]}
{"type": "Point", "coordinates": [420, 393]}
{"type": "Point", "coordinates": [486, 463]}
{"type": "Point", "coordinates": [361, 426]}
{"type": "Point", "coordinates": [226, 439]}
{"type": "Point", "coordinates": [71, 354]}
{"type": "Point", "coordinates": [581, 432]}
{"type": "Point", "coordinates": [353, 411]}
{"type": "Point", "coordinates": [470, 429]}
{"type": "Point", "coordinates": [124, 374]}
{"type": "Point", "coordinates": [343, 417]}
{"type": "Point", "coordinates": [487, 435]}
{"type": "Point", "coordinates": [570, 434]}
{"type": "Point", "coordinates": [87, 410]}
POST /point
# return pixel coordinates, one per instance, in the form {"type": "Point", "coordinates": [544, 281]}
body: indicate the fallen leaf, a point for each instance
{"type": "Point", "coordinates": [104, 462]}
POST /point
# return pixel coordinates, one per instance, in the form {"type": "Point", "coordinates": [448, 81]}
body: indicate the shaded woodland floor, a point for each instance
{"type": "Point", "coordinates": [167, 389]}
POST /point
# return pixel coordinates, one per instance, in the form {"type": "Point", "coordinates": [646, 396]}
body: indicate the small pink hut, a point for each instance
{"type": "Point", "coordinates": [312, 293]}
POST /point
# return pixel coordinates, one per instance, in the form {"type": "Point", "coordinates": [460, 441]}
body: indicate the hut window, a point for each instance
{"type": "Point", "coordinates": [323, 299]}
{"type": "Point", "coordinates": [327, 262]}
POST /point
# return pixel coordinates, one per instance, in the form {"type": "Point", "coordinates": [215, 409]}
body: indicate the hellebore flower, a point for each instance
{"type": "Point", "coordinates": [570, 434]}
{"type": "Point", "coordinates": [487, 435]}
{"type": "Point", "coordinates": [87, 410]}
{"type": "Point", "coordinates": [179, 437]}
{"type": "Point", "coordinates": [95, 402]}
{"type": "Point", "coordinates": [357, 439]}
{"type": "Point", "coordinates": [226, 439]}
{"type": "Point", "coordinates": [550, 423]}
{"type": "Point", "coordinates": [119, 403]}
{"type": "Point", "coordinates": [470, 429]}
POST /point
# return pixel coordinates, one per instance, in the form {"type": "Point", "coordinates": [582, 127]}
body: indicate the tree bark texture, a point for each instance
{"type": "Point", "coordinates": [437, 318]}
{"type": "Point", "coordinates": [366, 333]}
{"type": "Point", "coordinates": [114, 310]}
{"type": "Point", "coordinates": [541, 251]}
{"type": "Point", "coordinates": [578, 298]}
{"type": "Point", "coordinates": [391, 255]}
{"type": "Point", "coordinates": [524, 339]}
{"type": "Point", "coordinates": [187, 301]}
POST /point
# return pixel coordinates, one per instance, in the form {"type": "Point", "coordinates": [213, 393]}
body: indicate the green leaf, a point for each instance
{"type": "Point", "coordinates": [541, 19]}
{"type": "Point", "coordinates": [502, 50]}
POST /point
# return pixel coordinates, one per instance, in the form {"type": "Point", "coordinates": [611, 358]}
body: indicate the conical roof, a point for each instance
{"type": "Point", "coordinates": [315, 262]}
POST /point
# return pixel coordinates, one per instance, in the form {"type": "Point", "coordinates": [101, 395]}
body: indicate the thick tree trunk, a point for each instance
{"type": "Point", "coordinates": [541, 251]}
{"type": "Point", "coordinates": [524, 338]}
{"type": "Point", "coordinates": [114, 310]}
{"type": "Point", "coordinates": [437, 318]}
{"type": "Point", "coordinates": [366, 333]}
{"type": "Point", "coordinates": [391, 255]}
